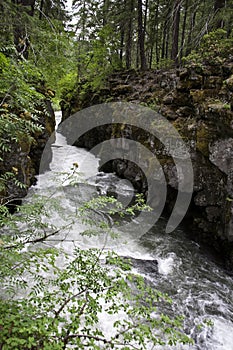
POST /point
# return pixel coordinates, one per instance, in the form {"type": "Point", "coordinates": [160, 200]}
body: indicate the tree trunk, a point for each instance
{"type": "Point", "coordinates": [154, 36]}
{"type": "Point", "coordinates": [145, 16]}
{"type": "Point", "coordinates": [157, 50]}
{"type": "Point", "coordinates": [141, 37]}
{"type": "Point", "coordinates": [218, 5]}
{"type": "Point", "coordinates": [105, 12]}
{"type": "Point", "coordinates": [122, 45]}
{"type": "Point", "coordinates": [184, 28]}
{"type": "Point", "coordinates": [166, 33]}
{"type": "Point", "coordinates": [175, 31]}
{"type": "Point", "coordinates": [129, 30]}
{"type": "Point", "coordinates": [41, 9]}
{"type": "Point", "coordinates": [192, 24]}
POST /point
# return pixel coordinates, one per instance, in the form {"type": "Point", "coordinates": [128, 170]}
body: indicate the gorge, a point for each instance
{"type": "Point", "coordinates": [198, 102]}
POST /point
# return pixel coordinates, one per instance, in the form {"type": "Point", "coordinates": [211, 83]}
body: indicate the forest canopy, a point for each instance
{"type": "Point", "coordinates": [97, 37]}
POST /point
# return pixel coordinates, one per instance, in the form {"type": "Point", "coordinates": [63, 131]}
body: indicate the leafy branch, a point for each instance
{"type": "Point", "coordinates": [64, 303]}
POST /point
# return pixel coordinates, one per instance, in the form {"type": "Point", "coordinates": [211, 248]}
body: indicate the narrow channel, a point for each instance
{"type": "Point", "coordinates": [201, 290]}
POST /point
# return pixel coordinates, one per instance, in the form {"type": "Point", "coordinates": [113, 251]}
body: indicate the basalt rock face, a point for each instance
{"type": "Point", "coordinates": [23, 160]}
{"type": "Point", "coordinates": [198, 101]}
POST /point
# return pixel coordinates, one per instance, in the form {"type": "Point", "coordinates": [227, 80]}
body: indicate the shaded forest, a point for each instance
{"type": "Point", "coordinates": [98, 37]}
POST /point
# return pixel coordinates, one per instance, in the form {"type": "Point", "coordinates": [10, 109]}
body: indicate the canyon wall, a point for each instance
{"type": "Point", "coordinates": [198, 101]}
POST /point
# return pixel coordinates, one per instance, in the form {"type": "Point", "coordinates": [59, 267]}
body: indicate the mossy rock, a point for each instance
{"type": "Point", "coordinates": [204, 137]}
{"type": "Point", "coordinates": [213, 82]}
{"type": "Point", "coordinates": [25, 143]}
{"type": "Point", "coordinates": [229, 83]}
{"type": "Point", "coordinates": [192, 82]}
{"type": "Point", "coordinates": [122, 89]}
{"type": "Point", "coordinates": [218, 107]}
{"type": "Point", "coordinates": [199, 96]}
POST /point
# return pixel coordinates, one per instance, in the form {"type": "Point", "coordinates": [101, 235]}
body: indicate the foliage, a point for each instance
{"type": "Point", "coordinates": [21, 106]}
{"type": "Point", "coordinates": [165, 63]}
{"type": "Point", "coordinates": [20, 85]}
{"type": "Point", "coordinates": [164, 23]}
{"type": "Point", "coordinates": [218, 45]}
{"type": "Point", "coordinates": [62, 306]}
{"type": "Point", "coordinates": [97, 59]}
{"type": "Point", "coordinates": [35, 53]}
{"type": "Point", "coordinates": [52, 51]}
{"type": "Point", "coordinates": [67, 82]}
{"type": "Point", "coordinates": [40, 37]}
{"type": "Point", "coordinates": [215, 48]}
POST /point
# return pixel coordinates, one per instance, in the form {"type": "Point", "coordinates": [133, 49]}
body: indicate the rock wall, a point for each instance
{"type": "Point", "coordinates": [198, 101]}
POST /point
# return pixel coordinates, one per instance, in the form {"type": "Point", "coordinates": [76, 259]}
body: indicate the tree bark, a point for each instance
{"type": "Point", "coordinates": [157, 50]}
{"type": "Point", "coordinates": [166, 33]}
{"type": "Point", "coordinates": [129, 5]}
{"type": "Point", "coordinates": [105, 12]}
{"type": "Point", "coordinates": [175, 31]}
{"type": "Point", "coordinates": [122, 45]}
{"type": "Point", "coordinates": [192, 24]}
{"type": "Point", "coordinates": [184, 28]}
{"type": "Point", "coordinates": [154, 36]}
{"type": "Point", "coordinates": [41, 9]}
{"type": "Point", "coordinates": [218, 5]}
{"type": "Point", "coordinates": [141, 37]}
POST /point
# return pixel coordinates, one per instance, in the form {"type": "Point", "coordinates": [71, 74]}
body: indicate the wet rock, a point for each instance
{"type": "Point", "coordinates": [221, 155]}
{"type": "Point", "coordinates": [213, 213]}
{"type": "Point", "coordinates": [198, 100]}
{"type": "Point", "coordinates": [147, 267]}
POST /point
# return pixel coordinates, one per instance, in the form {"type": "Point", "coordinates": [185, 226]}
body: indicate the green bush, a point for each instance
{"type": "Point", "coordinates": [215, 48]}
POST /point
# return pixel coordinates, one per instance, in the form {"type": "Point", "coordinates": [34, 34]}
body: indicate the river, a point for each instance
{"type": "Point", "coordinates": [200, 288]}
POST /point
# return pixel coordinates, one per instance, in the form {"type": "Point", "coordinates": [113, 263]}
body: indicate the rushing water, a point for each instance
{"type": "Point", "coordinates": [200, 289]}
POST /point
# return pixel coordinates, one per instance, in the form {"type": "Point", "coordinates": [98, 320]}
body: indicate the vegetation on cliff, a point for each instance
{"type": "Point", "coordinates": [31, 42]}
{"type": "Point", "coordinates": [21, 109]}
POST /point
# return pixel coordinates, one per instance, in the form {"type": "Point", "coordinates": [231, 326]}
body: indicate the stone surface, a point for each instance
{"type": "Point", "coordinates": [198, 102]}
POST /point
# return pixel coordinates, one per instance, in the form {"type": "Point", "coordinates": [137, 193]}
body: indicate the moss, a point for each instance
{"type": "Point", "coordinates": [123, 89]}
{"type": "Point", "coordinates": [28, 171]}
{"type": "Point", "coordinates": [204, 137]}
{"type": "Point", "coordinates": [229, 83]}
{"type": "Point", "coordinates": [25, 142]}
{"type": "Point", "coordinates": [152, 103]}
{"type": "Point", "coordinates": [217, 106]}
{"type": "Point", "coordinates": [227, 106]}
{"type": "Point", "coordinates": [198, 95]}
